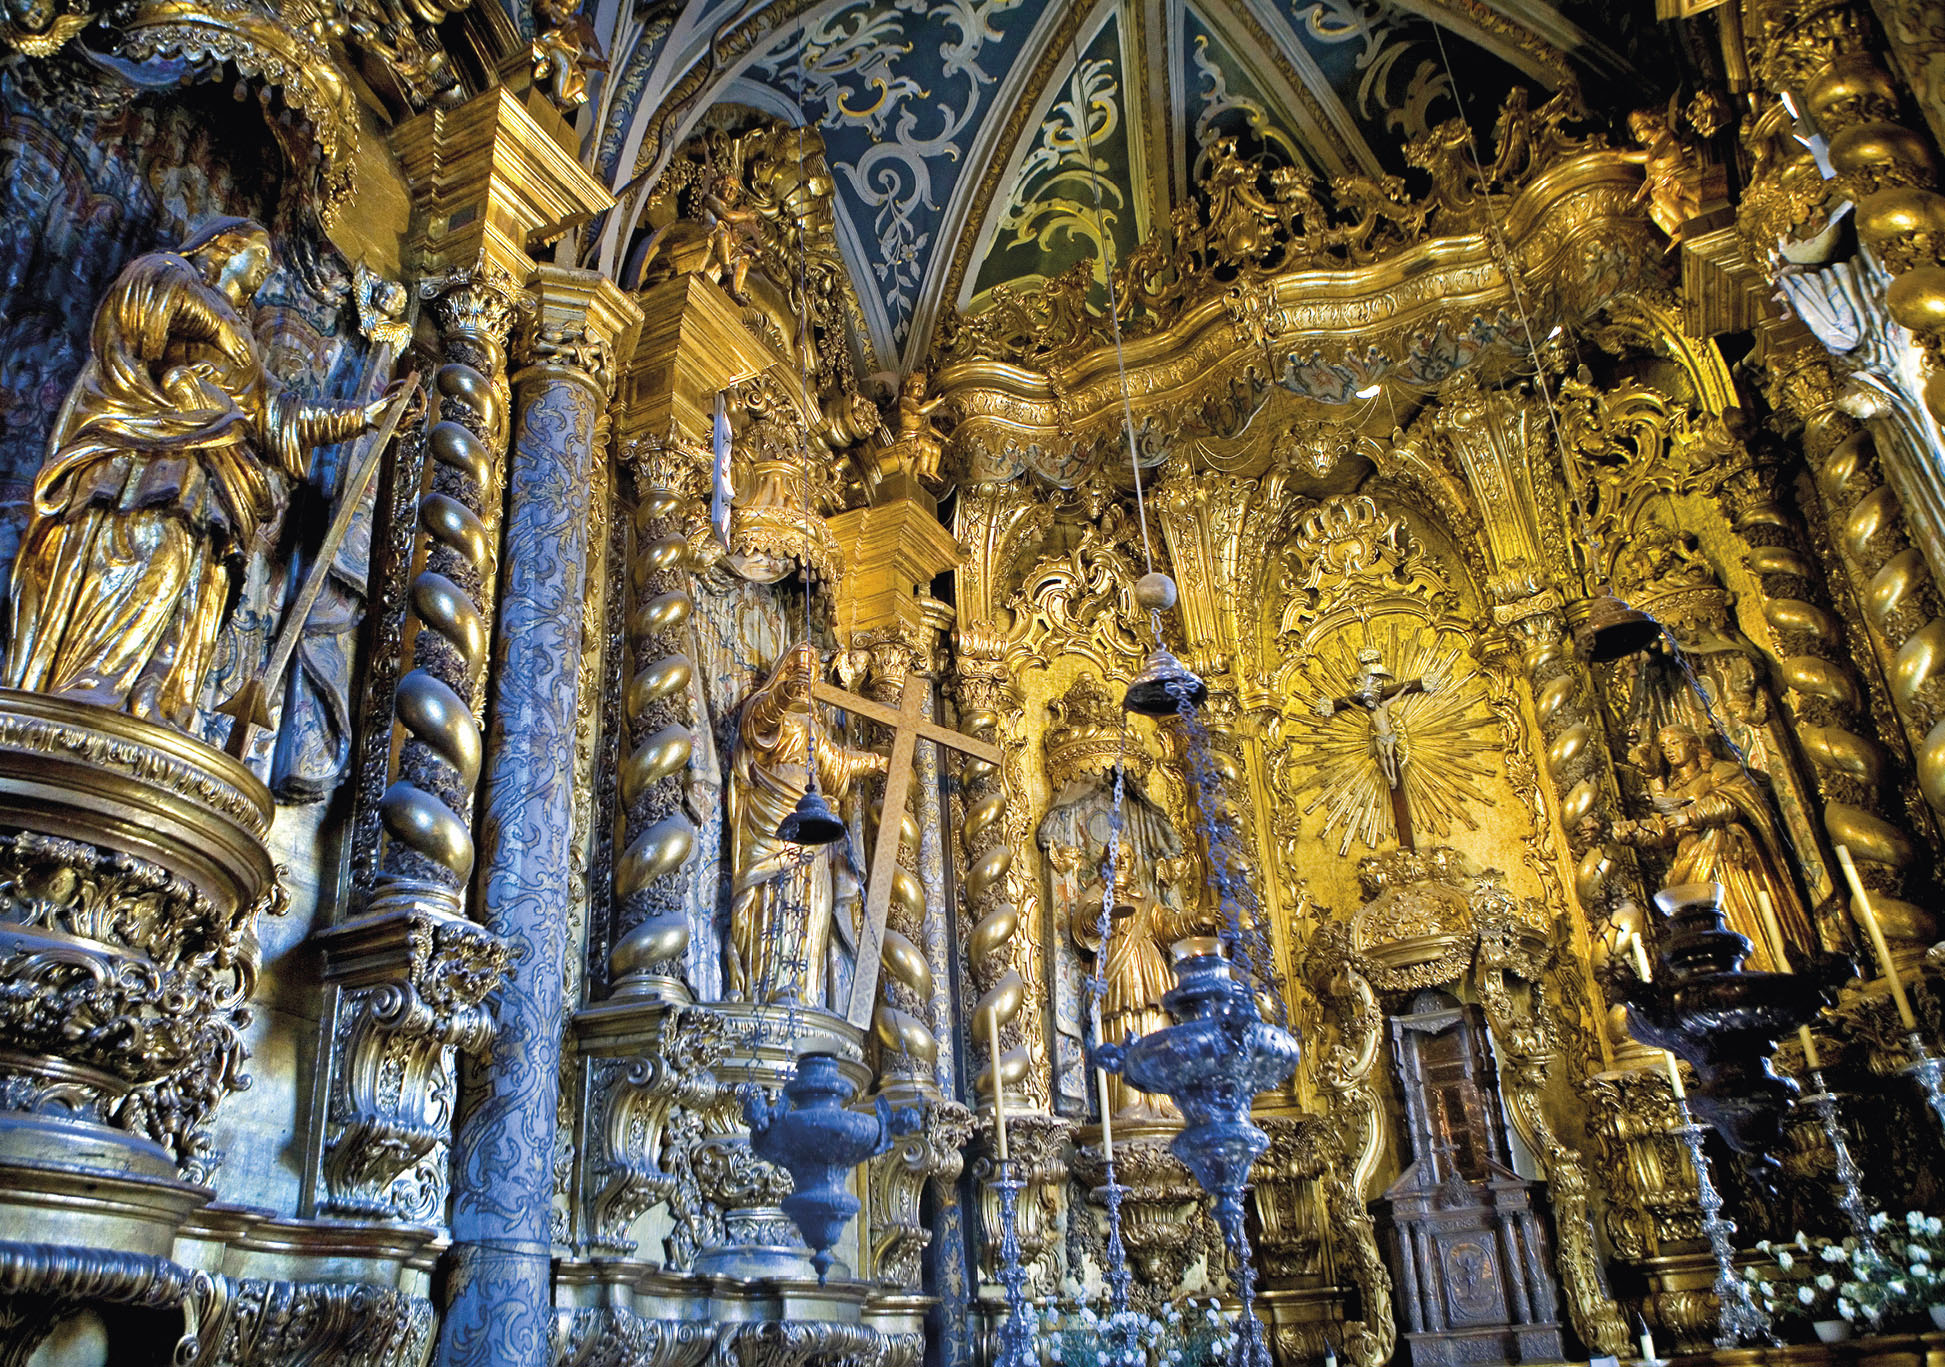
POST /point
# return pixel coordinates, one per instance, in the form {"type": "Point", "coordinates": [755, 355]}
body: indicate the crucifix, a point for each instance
{"type": "Point", "coordinates": [1375, 690]}
{"type": "Point", "coordinates": [909, 725]}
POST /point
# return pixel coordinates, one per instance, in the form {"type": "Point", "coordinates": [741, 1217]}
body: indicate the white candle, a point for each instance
{"type": "Point", "coordinates": [1778, 951]}
{"type": "Point", "coordinates": [1647, 1344]}
{"type": "Point", "coordinates": [999, 1083]}
{"type": "Point", "coordinates": [1640, 953]}
{"type": "Point", "coordinates": [1101, 1081]}
{"type": "Point", "coordinates": [1861, 900]}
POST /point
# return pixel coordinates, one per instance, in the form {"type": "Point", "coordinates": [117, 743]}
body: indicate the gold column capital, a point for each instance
{"type": "Point", "coordinates": [489, 181]}
{"type": "Point", "coordinates": [583, 327]}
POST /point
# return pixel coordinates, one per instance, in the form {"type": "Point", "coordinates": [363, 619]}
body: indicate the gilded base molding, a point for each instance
{"type": "Point", "coordinates": [42, 1284]}
{"type": "Point", "coordinates": [252, 1322]}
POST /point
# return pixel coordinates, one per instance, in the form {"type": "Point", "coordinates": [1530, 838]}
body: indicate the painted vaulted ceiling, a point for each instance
{"type": "Point", "coordinates": [981, 142]}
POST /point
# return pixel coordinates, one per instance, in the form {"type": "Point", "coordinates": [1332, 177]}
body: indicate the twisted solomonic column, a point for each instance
{"type": "Point", "coordinates": [411, 972]}
{"type": "Point", "coordinates": [652, 927]}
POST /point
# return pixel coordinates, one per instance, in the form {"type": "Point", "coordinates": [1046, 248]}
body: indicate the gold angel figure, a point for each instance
{"type": "Point", "coordinates": [783, 895]}
{"type": "Point", "coordinates": [162, 469]}
{"type": "Point", "coordinates": [1722, 831]}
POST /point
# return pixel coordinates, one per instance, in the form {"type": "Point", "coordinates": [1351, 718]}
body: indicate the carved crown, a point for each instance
{"type": "Point", "coordinates": [1085, 737]}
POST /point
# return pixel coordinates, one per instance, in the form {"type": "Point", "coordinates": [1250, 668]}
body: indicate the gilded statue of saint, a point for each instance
{"type": "Point", "coordinates": [162, 468]}
{"type": "Point", "coordinates": [1722, 831]}
{"type": "Point", "coordinates": [784, 895]}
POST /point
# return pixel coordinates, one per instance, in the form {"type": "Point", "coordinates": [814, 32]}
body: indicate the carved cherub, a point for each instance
{"type": "Point", "coordinates": [565, 49]}
{"type": "Point", "coordinates": [732, 227]}
{"type": "Point", "coordinates": [36, 28]}
{"type": "Point", "coordinates": [1674, 171]}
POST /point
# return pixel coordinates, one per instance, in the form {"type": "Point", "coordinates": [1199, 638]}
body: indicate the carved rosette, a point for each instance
{"type": "Point", "coordinates": [897, 1179]}
{"type": "Point", "coordinates": [415, 981]}
{"type": "Point", "coordinates": [133, 867]}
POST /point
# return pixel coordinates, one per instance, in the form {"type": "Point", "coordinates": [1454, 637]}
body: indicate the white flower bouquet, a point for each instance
{"type": "Point", "coordinates": [1193, 1334]}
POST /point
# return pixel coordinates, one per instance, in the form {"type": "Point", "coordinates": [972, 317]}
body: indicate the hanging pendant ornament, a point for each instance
{"type": "Point", "coordinates": [813, 822]}
{"type": "Point", "coordinates": [1163, 678]}
{"type": "Point", "coordinates": [1616, 630]}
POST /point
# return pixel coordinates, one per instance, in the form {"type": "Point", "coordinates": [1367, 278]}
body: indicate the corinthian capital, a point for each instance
{"type": "Point", "coordinates": [581, 328]}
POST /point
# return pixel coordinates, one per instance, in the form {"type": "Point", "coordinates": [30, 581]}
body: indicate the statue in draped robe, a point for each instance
{"type": "Point", "coordinates": [1153, 902]}
{"type": "Point", "coordinates": [162, 467]}
{"type": "Point", "coordinates": [1722, 831]}
{"type": "Point", "coordinates": [783, 896]}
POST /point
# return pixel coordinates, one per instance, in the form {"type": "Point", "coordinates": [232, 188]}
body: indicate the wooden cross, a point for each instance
{"type": "Point", "coordinates": [908, 724]}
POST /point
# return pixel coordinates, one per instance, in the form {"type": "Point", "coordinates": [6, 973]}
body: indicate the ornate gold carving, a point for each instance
{"type": "Point", "coordinates": [1039, 1148]}
{"type": "Point", "coordinates": [1163, 1221]}
{"type": "Point", "coordinates": [1385, 753]}
{"type": "Point", "coordinates": [639, 1109]}
{"type": "Point", "coordinates": [897, 1180]}
{"type": "Point", "coordinates": [126, 957]}
{"type": "Point", "coordinates": [783, 895]}
{"type": "Point", "coordinates": [43, 1284]}
{"type": "Point", "coordinates": [1248, 224]}
{"type": "Point", "coordinates": [652, 925]}
{"type": "Point", "coordinates": [250, 1320]}
{"type": "Point", "coordinates": [415, 981]}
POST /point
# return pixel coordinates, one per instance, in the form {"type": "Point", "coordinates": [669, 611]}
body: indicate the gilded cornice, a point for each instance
{"type": "Point", "coordinates": [489, 182]}
{"type": "Point", "coordinates": [1574, 232]}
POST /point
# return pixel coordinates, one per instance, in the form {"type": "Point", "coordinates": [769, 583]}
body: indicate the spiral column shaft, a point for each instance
{"type": "Point", "coordinates": [984, 693]}
{"type": "Point", "coordinates": [427, 808]}
{"type": "Point", "coordinates": [652, 927]}
{"type": "Point", "coordinates": [1822, 691]}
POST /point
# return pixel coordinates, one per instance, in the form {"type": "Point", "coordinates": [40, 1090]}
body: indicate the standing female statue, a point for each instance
{"type": "Point", "coordinates": [161, 471]}
{"type": "Point", "coordinates": [784, 895]}
{"type": "Point", "coordinates": [1722, 831]}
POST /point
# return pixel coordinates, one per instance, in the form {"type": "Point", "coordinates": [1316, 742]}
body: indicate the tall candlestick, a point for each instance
{"type": "Point", "coordinates": [1778, 950]}
{"type": "Point", "coordinates": [1101, 1082]}
{"type": "Point", "coordinates": [1861, 900]}
{"type": "Point", "coordinates": [999, 1081]}
{"type": "Point", "coordinates": [1640, 953]}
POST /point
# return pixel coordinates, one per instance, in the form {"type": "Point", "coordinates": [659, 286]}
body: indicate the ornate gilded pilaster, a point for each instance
{"type": "Point", "coordinates": [1038, 1151]}
{"type": "Point", "coordinates": [895, 1182]}
{"type": "Point", "coordinates": [503, 1153]}
{"type": "Point", "coordinates": [645, 1096]}
{"type": "Point", "coordinates": [1652, 1217]}
{"type": "Point", "coordinates": [412, 985]}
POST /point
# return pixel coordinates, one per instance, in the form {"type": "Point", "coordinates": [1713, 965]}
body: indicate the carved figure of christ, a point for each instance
{"type": "Point", "coordinates": [1375, 691]}
{"type": "Point", "coordinates": [909, 725]}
